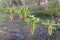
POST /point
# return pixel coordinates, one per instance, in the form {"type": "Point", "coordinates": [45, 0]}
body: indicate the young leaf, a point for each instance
{"type": "Point", "coordinates": [47, 21]}
{"type": "Point", "coordinates": [21, 11]}
{"type": "Point", "coordinates": [34, 25]}
{"type": "Point", "coordinates": [53, 27]}
{"type": "Point", "coordinates": [27, 20]}
{"type": "Point", "coordinates": [5, 10]}
{"type": "Point", "coordinates": [52, 22]}
{"type": "Point", "coordinates": [16, 10]}
{"type": "Point", "coordinates": [37, 20]}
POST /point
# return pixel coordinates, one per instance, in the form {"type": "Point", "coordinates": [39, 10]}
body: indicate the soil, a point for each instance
{"type": "Point", "coordinates": [18, 30]}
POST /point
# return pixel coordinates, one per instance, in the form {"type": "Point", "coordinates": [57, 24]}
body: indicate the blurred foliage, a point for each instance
{"type": "Point", "coordinates": [2, 15]}
{"type": "Point", "coordinates": [29, 2]}
{"type": "Point", "coordinates": [48, 23]}
{"type": "Point", "coordinates": [3, 3]}
{"type": "Point", "coordinates": [46, 12]}
{"type": "Point", "coordinates": [2, 19]}
{"type": "Point", "coordinates": [51, 10]}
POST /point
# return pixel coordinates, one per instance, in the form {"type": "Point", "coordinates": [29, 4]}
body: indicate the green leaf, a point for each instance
{"type": "Point", "coordinates": [47, 21]}
{"type": "Point", "coordinates": [32, 18]}
{"type": "Point", "coordinates": [22, 11]}
{"type": "Point", "coordinates": [53, 27]}
{"type": "Point", "coordinates": [27, 20]}
{"type": "Point", "coordinates": [15, 10]}
{"type": "Point", "coordinates": [52, 22]}
{"type": "Point", "coordinates": [31, 15]}
{"type": "Point", "coordinates": [44, 24]}
{"type": "Point", "coordinates": [6, 11]}
{"type": "Point", "coordinates": [34, 25]}
{"type": "Point", "coordinates": [37, 20]}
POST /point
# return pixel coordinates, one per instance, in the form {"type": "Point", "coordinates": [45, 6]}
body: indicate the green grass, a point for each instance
{"type": "Point", "coordinates": [2, 18]}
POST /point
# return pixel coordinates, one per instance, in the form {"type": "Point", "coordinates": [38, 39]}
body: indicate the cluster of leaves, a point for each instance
{"type": "Point", "coordinates": [22, 12]}
{"type": "Point", "coordinates": [50, 24]}
{"type": "Point", "coordinates": [32, 20]}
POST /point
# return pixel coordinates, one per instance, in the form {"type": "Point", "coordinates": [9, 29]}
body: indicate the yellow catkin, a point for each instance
{"type": "Point", "coordinates": [50, 30]}
{"type": "Point", "coordinates": [10, 13]}
{"type": "Point", "coordinates": [25, 14]}
{"type": "Point", "coordinates": [11, 17]}
{"type": "Point", "coordinates": [10, 9]}
{"type": "Point", "coordinates": [32, 30]}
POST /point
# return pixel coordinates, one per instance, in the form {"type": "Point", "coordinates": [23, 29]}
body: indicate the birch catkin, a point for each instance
{"type": "Point", "coordinates": [11, 17]}
{"type": "Point", "coordinates": [50, 30]}
{"type": "Point", "coordinates": [10, 14]}
{"type": "Point", "coordinates": [32, 30]}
